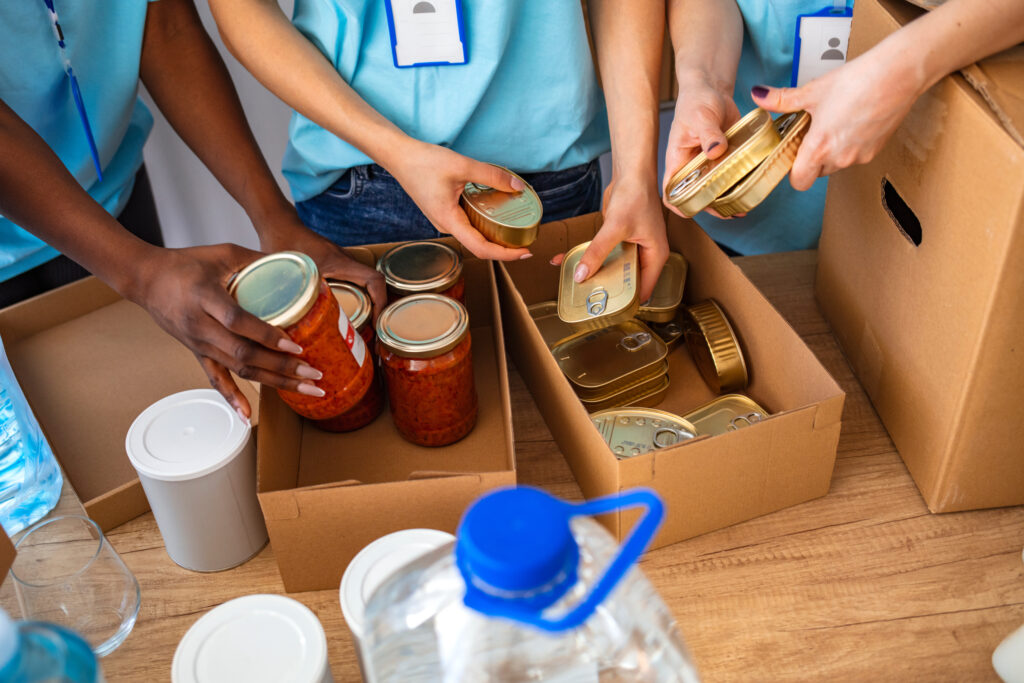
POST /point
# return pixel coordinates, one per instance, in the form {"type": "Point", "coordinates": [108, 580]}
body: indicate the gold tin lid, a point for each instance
{"type": "Point", "coordinates": [423, 325]}
{"type": "Point", "coordinates": [510, 219]}
{"type": "Point", "coordinates": [279, 289]}
{"type": "Point", "coordinates": [726, 414]}
{"type": "Point", "coordinates": [715, 347]}
{"type": "Point", "coordinates": [610, 296]}
{"type": "Point", "coordinates": [650, 393]}
{"type": "Point", "coordinates": [553, 330]}
{"type": "Point", "coordinates": [671, 332]}
{"type": "Point", "coordinates": [698, 183]}
{"type": "Point", "coordinates": [354, 302]}
{"type": "Point", "coordinates": [631, 431]}
{"type": "Point", "coordinates": [607, 360]}
{"type": "Point", "coordinates": [422, 266]}
{"type": "Point", "coordinates": [760, 182]}
{"type": "Point", "coordinates": [668, 292]}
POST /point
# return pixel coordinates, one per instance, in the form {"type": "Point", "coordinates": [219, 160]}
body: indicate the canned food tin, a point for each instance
{"type": "Point", "coordinates": [510, 219]}
{"type": "Point", "coordinates": [668, 292]}
{"type": "Point", "coordinates": [650, 393]}
{"type": "Point", "coordinates": [609, 360]}
{"type": "Point", "coordinates": [610, 296]}
{"type": "Point", "coordinates": [698, 183]}
{"type": "Point", "coordinates": [759, 183]}
{"type": "Point", "coordinates": [715, 347]}
{"type": "Point", "coordinates": [422, 267]}
{"type": "Point", "coordinates": [553, 330]}
{"type": "Point", "coordinates": [726, 414]}
{"type": "Point", "coordinates": [671, 332]}
{"type": "Point", "coordinates": [630, 432]}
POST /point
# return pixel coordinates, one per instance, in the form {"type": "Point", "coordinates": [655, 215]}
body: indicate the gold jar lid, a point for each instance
{"type": "Point", "coordinates": [760, 182]}
{"type": "Point", "coordinates": [423, 266]}
{"type": "Point", "coordinates": [354, 302]}
{"type": "Point", "coordinates": [279, 289]}
{"type": "Point", "coordinates": [510, 219]}
{"type": "Point", "coordinates": [608, 297]}
{"type": "Point", "coordinates": [608, 360]}
{"type": "Point", "coordinates": [553, 330]}
{"type": "Point", "coordinates": [633, 431]}
{"type": "Point", "coordinates": [650, 393]}
{"type": "Point", "coordinates": [423, 325]}
{"type": "Point", "coordinates": [726, 414]}
{"type": "Point", "coordinates": [699, 182]}
{"type": "Point", "coordinates": [668, 292]}
{"type": "Point", "coordinates": [715, 347]}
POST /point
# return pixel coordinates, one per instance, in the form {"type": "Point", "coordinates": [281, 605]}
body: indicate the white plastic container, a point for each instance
{"type": "Point", "coordinates": [196, 460]}
{"type": "Point", "coordinates": [255, 639]}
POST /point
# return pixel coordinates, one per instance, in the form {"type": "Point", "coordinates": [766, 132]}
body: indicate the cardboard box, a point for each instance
{"type": "Point", "coordinates": [325, 496]}
{"type": "Point", "coordinates": [921, 269]}
{"type": "Point", "coordinates": [709, 482]}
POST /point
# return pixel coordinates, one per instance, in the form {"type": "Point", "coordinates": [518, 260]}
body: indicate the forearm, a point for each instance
{"type": "Point", "coordinates": [708, 38]}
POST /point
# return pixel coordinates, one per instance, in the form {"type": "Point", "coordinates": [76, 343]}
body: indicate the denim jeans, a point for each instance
{"type": "Point", "coordinates": [367, 205]}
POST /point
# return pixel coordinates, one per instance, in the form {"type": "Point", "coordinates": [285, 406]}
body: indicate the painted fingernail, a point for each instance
{"type": "Point", "coordinates": [309, 372]}
{"type": "Point", "coordinates": [581, 272]}
{"type": "Point", "coordinates": [244, 417]}
{"type": "Point", "coordinates": [288, 346]}
{"type": "Point", "coordinates": [711, 146]}
{"type": "Point", "coordinates": [525, 256]}
{"type": "Point", "coordinates": [759, 91]}
{"type": "Point", "coordinates": [517, 184]}
{"type": "Point", "coordinates": [310, 390]}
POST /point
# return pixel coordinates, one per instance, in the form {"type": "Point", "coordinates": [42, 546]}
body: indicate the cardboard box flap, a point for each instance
{"type": "Point", "coordinates": [7, 554]}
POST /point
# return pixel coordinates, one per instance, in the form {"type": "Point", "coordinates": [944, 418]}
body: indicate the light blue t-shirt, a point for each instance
{"type": "Point", "coordinates": [528, 99]}
{"type": "Point", "coordinates": [787, 220]}
{"type": "Point", "coordinates": [104, 42]}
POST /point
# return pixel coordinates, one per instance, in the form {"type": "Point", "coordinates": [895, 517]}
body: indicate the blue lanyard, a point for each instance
{"type": "Point", "coordinates": [76, 92]}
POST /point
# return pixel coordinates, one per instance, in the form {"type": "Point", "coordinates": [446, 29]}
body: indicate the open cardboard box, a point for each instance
{"type": "Point", "coordinates": [709, 482]}
{"type": "Point", "coordinates": [325, 496]}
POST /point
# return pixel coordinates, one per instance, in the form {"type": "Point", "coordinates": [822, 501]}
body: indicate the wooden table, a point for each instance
{"type": "Point", "coordinates": [863, 584]}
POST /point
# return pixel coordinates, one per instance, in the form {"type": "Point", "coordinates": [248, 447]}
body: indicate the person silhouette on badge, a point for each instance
{"type": "Point", "coordinates": [833, 53]}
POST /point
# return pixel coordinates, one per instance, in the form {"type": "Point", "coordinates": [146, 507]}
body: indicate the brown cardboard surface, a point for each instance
{"type": "Point", "coordinates": [7, 554]}
{"type": "Point", "coordinates": [932, 330]}
{"type": "Point", "coordinates": [710, 482]}
{"type": "Point", "coordinates": [325, 496]}
{"type": "Point", "coordinates": [89, 363]}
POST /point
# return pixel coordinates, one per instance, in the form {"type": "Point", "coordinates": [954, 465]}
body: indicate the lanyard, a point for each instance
{"type": "Point", "coordinates": [76, 92]}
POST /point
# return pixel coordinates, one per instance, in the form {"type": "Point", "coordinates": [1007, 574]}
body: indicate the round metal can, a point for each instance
{"type": "Point", "coordinates": [608, 297]}
{"type": "Point", "coordinates": [511, 219]}
{"type": "Point", "coordinates": [422, 267]}
{"type": "Point", "coordinates": [715, 347]}
{"type": "Point", "coordinates": [633, 431]}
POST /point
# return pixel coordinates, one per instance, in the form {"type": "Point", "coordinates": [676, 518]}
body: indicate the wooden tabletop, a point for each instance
{"type": "Point", "coordinates": [863, 584]}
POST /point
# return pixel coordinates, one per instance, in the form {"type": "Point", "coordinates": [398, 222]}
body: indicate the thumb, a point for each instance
{"type": "Point", "coordinates": [595, 254]}
{"type": "Point", "coordinates": [712, 139]}
{"type": "Point", "coordinates": [492, 176]}
{"type": "Point", "coordinates": [778, 100]}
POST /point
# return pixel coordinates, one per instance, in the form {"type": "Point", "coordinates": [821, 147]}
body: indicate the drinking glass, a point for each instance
{"type": "Point", "coordinates": [67, 573]}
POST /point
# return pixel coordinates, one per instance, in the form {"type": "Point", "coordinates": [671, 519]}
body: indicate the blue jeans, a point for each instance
{"type": "Point", "coordinates": [368, 206]}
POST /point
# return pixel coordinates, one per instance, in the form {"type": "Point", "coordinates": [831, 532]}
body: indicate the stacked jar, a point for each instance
{"type": "Point", "coordinates": [423, 268]}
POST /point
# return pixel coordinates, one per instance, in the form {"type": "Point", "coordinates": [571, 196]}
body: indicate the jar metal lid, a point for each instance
{"type": "Point", "coordinates": [609, 296]}
{"type": "Point", "coordinates": [423, 266]}
{"type": "Point", "coordinates": [610, 359]}
{"type": "Point", "coordinates": [354, 302]}
{"type": "Point", "coordinates": [715, 347]}
{"type": "Point", "coordinates": [668, 292]}
{"type": "Point", "coordinates": [633, 431]}
{"type": "Point", "coordinates": [510, 219]}
{"type": "Point", "coordinates": [279, 289]}
{"type": "Point", "coordinates": [423, 325]}
{"type": "Point", "coordinates": [726, 414]}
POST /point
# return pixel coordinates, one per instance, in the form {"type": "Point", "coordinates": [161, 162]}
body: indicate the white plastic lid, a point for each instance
{"type": "Point", "coordinates": [256, 639]}
{"type": "Point", "coordinates": [185, 436]}
{"type": "Point", "coordinates": [376, 562]}
{"type": "Point", "coordinates": [8, 639]}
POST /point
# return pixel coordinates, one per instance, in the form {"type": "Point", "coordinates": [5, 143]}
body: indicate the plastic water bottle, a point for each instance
{"type": "Point", "coordinates": [532, 590]}
{"type": "Point", "coordinates": [37, 652]}
{"type": "Point", "coordinates": [30, 480]}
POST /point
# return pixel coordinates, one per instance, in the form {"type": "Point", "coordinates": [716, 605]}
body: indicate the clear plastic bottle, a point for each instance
{"type": "Point", "coordinates": [37, 652]}
{"type": "Point", "coordinates": [531, 590]}
{"type": "Point", "coordinates": [30, 479]}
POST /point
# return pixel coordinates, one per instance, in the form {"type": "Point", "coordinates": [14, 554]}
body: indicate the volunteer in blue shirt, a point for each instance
{"type": "Point", "coordinates": [53, 202]}
{"type": "Point", "coordinates": [381, 153]}
{"type": "Point", "coordinates": [734, 54]}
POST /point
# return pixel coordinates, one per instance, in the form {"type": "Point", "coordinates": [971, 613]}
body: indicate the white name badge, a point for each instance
{"type": "Point", "coordinates": [426, 32]}
{"type": "Point", "coordinates": [822, 39]}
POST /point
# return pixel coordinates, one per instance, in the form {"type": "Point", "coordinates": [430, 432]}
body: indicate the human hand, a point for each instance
{"type": "Point", "coordinates": [435, 176]}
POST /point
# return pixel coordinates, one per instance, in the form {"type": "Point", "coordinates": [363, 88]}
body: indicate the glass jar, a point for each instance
{"type": "Point", "coordinates": [424, 344]}
{"type": "Point", "coordinates": [422, 268]}
{"type": "Point", "coordinates": [356, 306]}
{"type": "Point", "coordinates": [285, 290]}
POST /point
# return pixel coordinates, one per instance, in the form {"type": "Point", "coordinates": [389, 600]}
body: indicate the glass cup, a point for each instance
{"type": "Point", "coordinates": [67, 573]}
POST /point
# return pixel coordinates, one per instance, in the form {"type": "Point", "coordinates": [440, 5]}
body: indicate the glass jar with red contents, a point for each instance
{"type": "Point", "coordinates": [357, 307]}
{"type": "Point", "coordinates": [422, 268]}
{"type": "Point", "coordinates": [285, 290]}
{"type": "Point", "coordinates": [423, 344]}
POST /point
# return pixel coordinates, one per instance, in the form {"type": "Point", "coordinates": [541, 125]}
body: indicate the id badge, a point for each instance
{"type": "Point", "coordinates": [426, 32]}
{"type": "Point", "coordinates": [822, 39]}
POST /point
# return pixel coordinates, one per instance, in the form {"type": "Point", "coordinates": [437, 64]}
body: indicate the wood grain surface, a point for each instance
{"type": "Point", "coordinates": [861, 585]}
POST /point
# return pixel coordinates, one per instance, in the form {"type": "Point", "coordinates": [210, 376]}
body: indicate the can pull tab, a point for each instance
{"type": "Point", "coordinates": [669, 436]}
{"type": "Point", "coordinates": [635, 341]}
{"type": "Point", "coordinates": [597, 301]}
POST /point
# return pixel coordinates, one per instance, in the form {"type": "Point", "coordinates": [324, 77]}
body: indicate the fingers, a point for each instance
{"type": "Point", "coordinates": [348, 270]}
{"type": "Point", "coordinates": [712, 140]}
{"type": "Point", "coordinates": [604, 241]}
{"type": "Point", "coordinates": [253, 362]}
{"type": "Point", "coordinates": [230, 315]}
{"type": "Point", "coordinates": [652, 260]}
{"type": "Point", "coordinates": [779, 100]}
{"type": "Point", "coordinates": [557, 259]}
{"type": "Point", "coordinates": [807, 166]}
{"type": "Point", "coordinates": [221, 380]}
{"type": "Point", "coordinates": [492, 176]}
{"type": "Point", "coordinates": [458, 227]}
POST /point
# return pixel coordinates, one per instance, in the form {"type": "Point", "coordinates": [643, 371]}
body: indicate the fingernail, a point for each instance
{"type": "Point", "coordinates": [310, 390]}
{"type": "Point", "coordinates": [581, 272]}
{"type": "Point", "coordinates": [759, 91]}
{"type": "Point", "coordinates": [525, 256]}
{"type": "Point", "coordinates": [245, 418]}
{"type": "Point", "coordinates": [309, 372]}
{"type": "Point", "coordinates": [711, 147]}
{"type": "Point", "coordinates": [517, 184]}
{"type": "Point", "coordinates": [289, 346]}
{"type": "Point", "coordinates": [554, 261]}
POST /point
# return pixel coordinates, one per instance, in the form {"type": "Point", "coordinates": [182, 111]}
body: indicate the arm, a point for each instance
{"type": "Point", "coordinates": [855, 108]}
{"type": "Point", "coordinates": [263, 39]}
{"type": "Point", "coordinates": [628, 41]}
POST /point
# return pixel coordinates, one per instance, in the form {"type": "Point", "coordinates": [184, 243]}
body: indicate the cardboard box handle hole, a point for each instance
{"type": "Point", "coordinates": [900, 213]}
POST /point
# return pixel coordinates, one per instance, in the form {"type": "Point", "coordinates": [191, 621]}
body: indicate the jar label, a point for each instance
{"type": "Point", "coordinates": [353, 339]}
